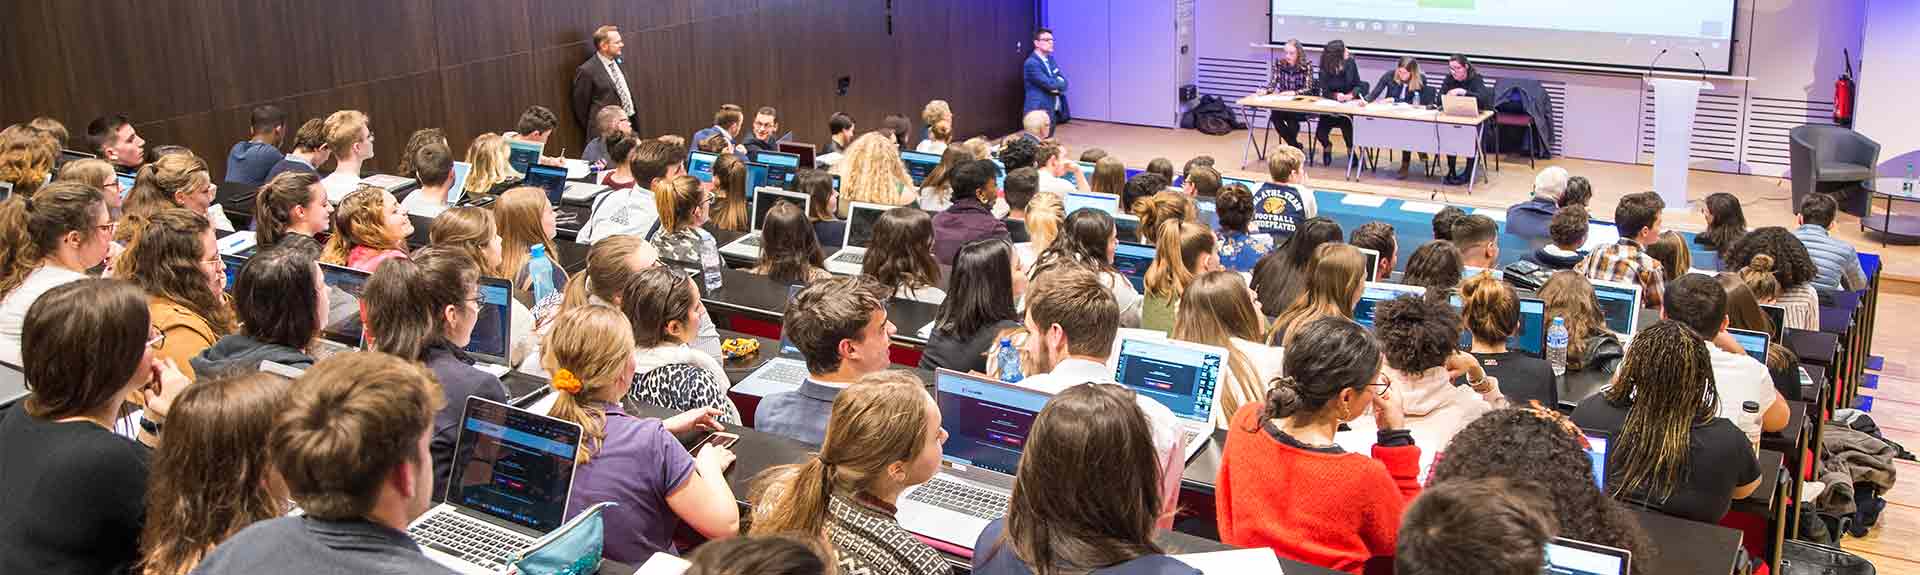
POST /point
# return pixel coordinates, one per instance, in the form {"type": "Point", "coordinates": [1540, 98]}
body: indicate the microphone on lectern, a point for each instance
{"type": "Point", "coordinates": [1656, 60]}
{"type": "Point", "coordinates": [1703, 66]}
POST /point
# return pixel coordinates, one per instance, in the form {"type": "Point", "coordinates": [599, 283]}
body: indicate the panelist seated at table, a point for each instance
{"type": "Point", "coordinates": [1339, 81]}
{"type": "Point", "coordinates": [1463, 79]}
{"type": "Point", "coordinates": [1404, 84]}
{"type": "Point", "coordinates": [1292, 75]}
{"type": "Point", "coordinates": [1669, 373]}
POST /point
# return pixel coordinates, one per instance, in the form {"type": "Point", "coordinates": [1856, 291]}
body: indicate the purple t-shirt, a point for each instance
{"type": "Point", "coordinates": [638, 465]}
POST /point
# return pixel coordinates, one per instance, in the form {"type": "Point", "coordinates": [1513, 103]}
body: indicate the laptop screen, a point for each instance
{"type": "Point", "coordinates": [804, 151]}
{"type": "Point", "coordinates": [1132, 260]}
{"type": "Point", "coordinates": [1776, 315]}
{"type": "Point", "coordinates": [233, 263]}
{"type": "Point", "coordinates": [1370, 265]}
{"type": "Point", "coordinates": [1600, 234]}
{"type": "Point", "coordinates": [1075, 200]}
{"type": "Point", "coordinates": [1619, 304]}
{"type": "Point", "coordinates": [763, 203]}
{"type": "Point", "coordinates": [514, 465]}
{"type": "Point", "coordinates": [919, 164]}
{"type": "Point", "coordinates": [1753, 342]}
{"type": "Point", "coordinates": [1376, 292]}
{"type": "Point", "coordinates": [780, 167]}
{"type": "Point", "coordinates": [1569, 557]}
{"type": "Point", "coordinates": [458, 183]}
{"type": "Point", "coordinates": [1181, 377]}
{"type": "Point", "coordinates": [986, 421]}
{"type": "Point", "coordinates": [700, 164]}
{"type": "Point", "coordinates": [757, 177]}
{"type": "Point", "coordinates": [126, 184]}
{"type": "Point", "coordinates": [860, 220]}
{"type": "Point", "coordinates": [1532, 337]}
{"type": "Point", "coordinates": [1250, 184]}
{"type": "Point", "coordinates": [553, 179]}
{"type": "Point", "coordinates": [492, 332]}
{"type": "Point", "coordinates": [344, 286]}
{"type": "Point", "coordinates": [1127, 228]}
{"type": "Point", "coordinates": [522, 155]}
{"type": "Point", "coordinates": [1597, 454]}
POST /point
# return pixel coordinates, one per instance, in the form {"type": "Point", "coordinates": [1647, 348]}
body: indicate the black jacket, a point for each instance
{"type": "Point", "coordinates": [1399, 92]}
{"type": "Point", "coordinates": [1474, 85]}
{"type": "Point", "coordinates": [593, 89]}
{"type": "Point", "coordinates": [459, 380]}
{"type": "Point", "coordinates": [1347, 81]}
{"type": "Point", "coordinates": [242, 353]}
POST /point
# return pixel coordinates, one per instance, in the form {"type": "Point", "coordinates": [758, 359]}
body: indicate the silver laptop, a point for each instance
{"type": "Point", "coordinates": [860, 219]}
{"type": "Point", "coordinates": [492, 340]}
{"type": "Point", "coordinates": [782, 373]}
{"type": "Point", "coordinates": [1466, 106]}
{"type": "Point", "coordinates": [987, 424]}
{"type": "Point", "coordinates": [1569, 556]}
{"type": "Point", "coordinates": [1620, 305]}
{"type": "Point", "coordinates": [764, 198]}
{"type": "Point", "coordinates": [512, 476]}
{"type": "Point", "coordinates": [1180, 375]}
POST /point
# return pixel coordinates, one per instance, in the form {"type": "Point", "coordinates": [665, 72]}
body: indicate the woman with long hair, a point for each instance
{"type": "Point", "coordinates": [1542, 446]}
{"type": "Point", "coordinates": [1404, 84]}
{"type": "Point", "coordinates": [212, 477]}
{"type": "Point", "coordinates": [177, 262]}
{"type": "Point", "coordinates": [492, 173]}
{"type": "Point", "coordinates": [1043, 224]}
{"type": "Point", "coordinates": [1671, 251]}
{"type": "Point", "coordinates": [873, 173]}
{"type": "Point", "coordinates": [627, 460]}
{"type": "Point", "coordinates": [1286, 484]}
{"type": "Point", "coordinates": [524, 218]}
{"type": "Point", "coordinates": [731, 210]}
{"type": "Point", "coordinates": [369, 228]}
{"type": "Point", "coordinates": [901, 255]}
{"type": "Point", "coordinates": [99, 174]}
{"type": "Point", "coordinates": [988, 282]}
{"type": "Point", "coordinates": [1667, 447]}
{"type": "Point", "coordinates": [1726, 223]}
{"type": "Point", "coordinates": [1570, 297]}
{"type": "Point", "coordinates": [1492, 314]}
{"type": "Point", "coordinates": [470, 230]}
{"type": "Point", "coordinates": [936, 191]}
{"type": "Point", "coordinates": [1086, 496]}
{"type": "Point", "coordinates": [1793, 269]}
{"type": "Point", "coordinates": [1759, 279]}
{"type": "Point", "coordinates": [25, 159]}
{"type": "Point", "coordinates": [823, 202]}
{"type": "Point", "coordinates": [1087, 239]}
{"type": "Point", "coordinates": [1579, 192]}
{"type": "Point", "coordinates": [883, 436]}
{"type": "Point", "coordinates": [1219, 309]}
{"type": "Point", "coordinates": [789, 252]}
{"type": "Point", "coordinates": [290, 204]}
{"type": "Point", "coordinates": [1420, 339]}
{"type": "Point", "coordinates": [1186, 249]}
{"type": "Point", "coordinates": [1161, 207]}
{"type": "Point", "coordinates": [176, 180]}
{"type": "Point", "coordinates": [46, 240]}
{"type": "Point", "coordinates": [281, 303]}
{"type": "Point", "coordinates": [1109, 177]}
{"type": "Point", "coordinates": [1435, 265]}
{"type": "Point", "coordinates": [1280, 275]}
{"type": "Point", "coordinates": [1335, 278]}
{"type": "Point", "coordinates": [1339, 81]}
{"type": "Point", "coordinates": [665, 312]}
{"type": "Point", "coordinates": [684, 207]}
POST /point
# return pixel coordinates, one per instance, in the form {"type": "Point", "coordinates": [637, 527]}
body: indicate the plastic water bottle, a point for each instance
{"type": "Point", "coordinates": [540, 270]}
{"type": "Point", "coordinates": [710, 268]}
{"type": "Point", "coordinates": [1750, 419]}
{"type": "Point", "coordinates": [1907, 184]}
{"type": "Point", "coordinates": [1009, 360]}
{"type": "Point", "coordinates": [1557, 346]}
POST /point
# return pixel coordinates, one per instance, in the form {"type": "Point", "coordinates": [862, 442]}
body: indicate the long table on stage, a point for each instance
{"type": "Point", "coordinates": [1384, 126]}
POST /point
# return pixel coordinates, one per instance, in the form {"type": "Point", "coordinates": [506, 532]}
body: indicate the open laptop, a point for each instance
{"type": "Point", "coordinates": [987, 426]}
{"type": "Point", "coordinates": [492, 340]}
{"type": "Point", "coordinates": [1075, 200]}
{"type": "Point", "coordinates": [860, 219]}
{"type": "Point", "coordinates": [1776, 315]}
{"type": "Point", "coordinates": [1752, 342]}
{"type": "Point", "coordinates": [804, 150]}
{"type": "Point", "coordinates": [1569, 557]}
{"type": "Point", "coordinates": [1369, 269]}
{"type": "Point", "coordinates": [1132, 261]}
{"type": "Point", "coordinates": [457, 187]}
{"type": "Point", "coordinates": [1126, 227]}
{"type": "Point", "coordinates": [512, 475]}
{"type": "Point", "coordinates": [782, 373]}
{"type": "Point", "coordinates": [522, 155]}
{"type": "Point", "coordinates": [1530, 339]}
{"type": "Point", "coordinates": [748, 246]}
{"type": "Point", "coordinates": [781, 167]}
{"type": "Point", "coordinates": [553, 179]}
{"type": "Point", "coordinates": [700, 165]}
{"type": "Point", "coordinates": [919, 165]}
{"type": "Point", "coordinates": [1466, 106]}
{"type": "Point", "coordinates": [1181, 375]}
{"type": "Point", "coordinates": [233, 263]}
{"type": "Point", "coordinates": [343, 330]}
{"type": "Point", "coordinates": [1375, 292]}
{"type": "Point", "coordinates": [1620, 305]}
{"type": "Point", "coordinates": [1597, 454]}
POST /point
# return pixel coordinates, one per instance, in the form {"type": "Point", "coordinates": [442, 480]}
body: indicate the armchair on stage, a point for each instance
{"type": "Point", "coordinates": [1832, 155]}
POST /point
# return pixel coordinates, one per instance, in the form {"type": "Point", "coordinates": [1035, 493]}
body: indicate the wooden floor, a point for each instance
{"type": "Point", "coordinates": [1896, 408]}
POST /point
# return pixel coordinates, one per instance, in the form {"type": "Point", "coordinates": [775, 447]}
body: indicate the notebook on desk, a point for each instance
{"type": "Point", "coordinates": [859, 232]}
{"type": "Point", "coordinates": [512, 476]}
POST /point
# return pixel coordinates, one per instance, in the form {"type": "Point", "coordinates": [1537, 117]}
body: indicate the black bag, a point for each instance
{"type": "Point", "coordinates": [1212, 117]}
{"type": "Point", "coordinates": [1803, 558]}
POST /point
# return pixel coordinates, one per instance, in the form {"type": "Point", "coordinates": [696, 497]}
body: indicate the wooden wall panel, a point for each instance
{"type": "Point", "coordinates": [486, 96]}
{"type": "Point", "coordinates": [475, 30]}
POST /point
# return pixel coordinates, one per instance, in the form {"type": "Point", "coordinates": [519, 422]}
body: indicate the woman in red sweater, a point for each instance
{"type": "Point", "coordinates": [1301, 494]}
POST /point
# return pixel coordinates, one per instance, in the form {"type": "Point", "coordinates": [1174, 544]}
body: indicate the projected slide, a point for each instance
{"type": "Point", "coordinates": [1615, 33]}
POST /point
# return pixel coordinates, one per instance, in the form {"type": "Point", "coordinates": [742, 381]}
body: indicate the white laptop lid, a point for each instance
{"type": "Point", "coordinates": [458, 186]}
{"type": "Point", "coordinates": [1108, 203]}
{"type": "Point", "coordinates": [765, 198]}
{"type": "Point", "coordinates": [513, 466]}
{"type": "Point", "coordinates": [860, 219]}
{"type": "Point", "coordinates": [1569, 556]}
{"type": "Point", "coordinates": [1181, 375]}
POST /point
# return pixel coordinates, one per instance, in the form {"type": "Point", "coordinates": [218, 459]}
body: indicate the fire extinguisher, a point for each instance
{"type": "Point", "coordinates": [1843, 94]}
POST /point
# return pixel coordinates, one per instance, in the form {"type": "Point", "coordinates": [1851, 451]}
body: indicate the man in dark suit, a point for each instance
{"type": "Point", "coordinates": [766, 122]}
{"type": "Point", "coordinates": [599, 82]}
{"type": "Point", "coordinates": [1046, 86]}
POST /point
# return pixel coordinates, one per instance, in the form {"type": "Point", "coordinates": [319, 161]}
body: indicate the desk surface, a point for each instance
{"type": "Point", "coordinates": [1816, 347]}
{"type": "Point", "coordinates": [1687, 547]}
{"type": "Point", "coordinates": [1313, 105]}
{"type": "Point", "coordinates": [1762, 500]}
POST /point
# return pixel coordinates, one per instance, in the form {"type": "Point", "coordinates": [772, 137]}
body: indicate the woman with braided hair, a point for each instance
{"type": "Point", "coordinates": [1670, 451]}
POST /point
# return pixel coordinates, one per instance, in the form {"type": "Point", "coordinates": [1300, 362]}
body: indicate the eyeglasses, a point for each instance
{"type": "Point", "coordinates": [108, 227]}
{"type": "Point", "coordinates": [156, 341]}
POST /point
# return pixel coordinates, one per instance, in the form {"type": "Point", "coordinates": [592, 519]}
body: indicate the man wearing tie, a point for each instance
{"type": "Point", "coordinates": [598, 82]}
{"type": "Point", "coordinates": [1046, 86]}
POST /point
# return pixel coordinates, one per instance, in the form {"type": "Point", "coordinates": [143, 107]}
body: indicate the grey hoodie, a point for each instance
{"type": "Point", "coordinates": [240, 352]}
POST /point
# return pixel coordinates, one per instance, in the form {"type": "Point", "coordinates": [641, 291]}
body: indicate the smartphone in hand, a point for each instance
{"type": "Point", "coordinates": [717, 438]}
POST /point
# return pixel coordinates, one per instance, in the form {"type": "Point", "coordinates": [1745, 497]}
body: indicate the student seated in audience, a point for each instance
{"type": "Point", "coordinates": [350, 138]}
{"type": "Point", "coordinates": [280, 303]}
{"type": "Point", "coordinates": [1219, 309]}
{"type": "Point", "coordinates": [26, 159]}
{"type": "Point", "coordinates": [309, 150]}
{"type": "Point", "coordinates": [1186, 250]}
{"type": "Point", "coordinates": [213, 476]}
{"type": "Point", "coordinates": [424, 310]}
{"type": "Point", "coordinates": [1087, 239]}
{"type": "Point", "coordinates": [1759, 279]}
{"type": "Point", "coordinates": [1335, 277]}
{"type": "Point", "coordinates": [634, 462]}
{"type": "Point", "coordinates": [1035, 126]}
{"type": "Point", "coordinates": [1639, 222]}
{"type": "Point", "coordinates": [684, 207]}
{"type": "Point", "coordinates": [368, 229]}
{"type": "Point", "coordinates": [76, 505]}
{"type": "Point", "coordinates": [176, 180]}
{"type": "Point", "coordinates": [938, 116]}
{"type": "Point", "coordinates": [1487, 526]}
{"type": "Point", "coordinates": [1436, 266]}
{"type": "Point", "coordinates": [1086, 497]}
{"type": "Point", "coordinates": [525, 220]}
{"type": "Point", "coordinates": [471, 231]}
{"type": "Point", "coordinates": [1287, 168]}
{"type": "Point", "coordinates": [732, 210]}
{"type": "Point", "coordinates": [882, 437]}
{"type": "Point", "coordinates": [491, 174]}
{"type": "Point", "coordinates": [1835, 260]}
{"type": "Point", "coordinates": [1071, 323]}
{"type": "Point", "coordinates": [1161, 167]}
{"type": "Point", "coordinates": [1167, 205]}
{"type": "Point", "coordinates": [608, 120]}
{"type": "Point", "coordinates": [1109, 176]}
{"type": "Point", "coordinates": [632, 209]}
{"type": "Point", "coordinates": [98, 174]}
{"type": "Point", "coordinates": [536, 125]}
{"type": "Point", "coordinates": [1137, 198]}
{"type": "Point", "coordinates": [936, 191]}
{"type": "Point", "coordinates": [1698, 301]}
{"type": "Point", "coordinates": [1793, 269]}
{"type": "Point", "coordinates": [1443, 222]}
{"type": "Point", "coordinates": [1419, 337]}
{"type": "Point", "coordinates": [1726, 222]}
{"type": "Point", "coordinates": [175, 260]}
{"type": "Point", "coordinates": [901, 255]}
{"type": "Point", "coordinates": [291, 205]}
{"type": "Point", "coordinates": [1671, 251]}
{"type": "Point", "coordinates": [49, 241]}
{"type": "Point", "coordinates": [967, 217]}
{"type": "Point", "coordinates": [1579, 192]}
{"type": "Point", "coordinates": [433, 167]}
{"type": "Point", "coordinates": [1668, 447]}
{"type": "Point", "coordinates": [1284, 483]}
{"type": "Point", "coordinates": [988, 282]}
{"type": "Point", "coordinates": [822, 207]}
{"type": "Point", "coordinates": [1058, 175]}
{"type": "Point", "coordinates": [840, 326]}
{"type": "Point", "coordinates": [762, 555]}
{"type": "Point", "coordinates": [1280, 275]}
{"type": "Point", "coordinates": [873, 173]}
{"type": "Point", "coordinates": [665, 311]}
{"type": "Point", "coordinates": [1477, 238]}
{"type": "Point", "coordinates": [1200, 181]}
{"type": "Point", "coordinates": [726, 126]}
{"type": "Point", "coordinates": [1019, 193]}
{"type": "Point", "coordinates": [1590, 345]}
{"type": "Point", "coordinates": [1568, 232]}
{"type": "Point", "coordinates": [1019, 153]}
{"type": "Point", "coordinates": [1530, 219]}
{"type": "Point", "coordinates": [840, 130]}
{"type": "Point", "coordinates": [1239, 250]}
{"type": "Point", "coordinates": [1042, 224]}
{"type": "Point", "coordinates": [1491, 312]}
{"type": "Point", "coordinates": [789, 252]}
{"type": "Point", "coordinates": [420, 139]}
{"type": "Point", "coordinates": [609, 271]}
{"type": "Point", "coordinates": [766, 127]}
{"type": "Point", "coordinates": [112, 138]}
{"type": "Point", "coordinates": [249, 160]}
{"type": "Point", "coordinates": [353, 451]}
{"type": "Point", "coordinates": [1379, 237]}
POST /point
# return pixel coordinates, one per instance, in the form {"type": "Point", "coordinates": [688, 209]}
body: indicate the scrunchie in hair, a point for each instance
{"type": "Point", "coordinates": [566, 381]}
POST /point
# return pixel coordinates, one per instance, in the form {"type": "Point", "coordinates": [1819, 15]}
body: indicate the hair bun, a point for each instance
{"type": "Point", "coordinates": [1283, 399]}
{"type": "Point", "coordinates": [1761, 263]}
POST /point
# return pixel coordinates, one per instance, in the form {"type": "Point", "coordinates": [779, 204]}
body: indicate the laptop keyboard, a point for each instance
{"type": "Point", "coordinates": [786, 371]}
{"type": "Point", "coordinates": [1188, 436]}
{"type": "Point", "coordinates": [753, 240]}
{"type": "Point", "coordinates": [470, 539]}
{"type": "Point", "coordinates": [851, 257]}
{"type": "Point", "coordinates": [953, 495]}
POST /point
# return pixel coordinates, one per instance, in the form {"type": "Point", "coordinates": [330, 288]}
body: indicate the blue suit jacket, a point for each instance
{"type": "Point", "coordinates": [1044, 87]}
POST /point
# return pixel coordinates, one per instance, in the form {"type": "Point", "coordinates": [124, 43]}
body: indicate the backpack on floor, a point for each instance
{"type": "Point", "coordinates": [1211, 117]}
